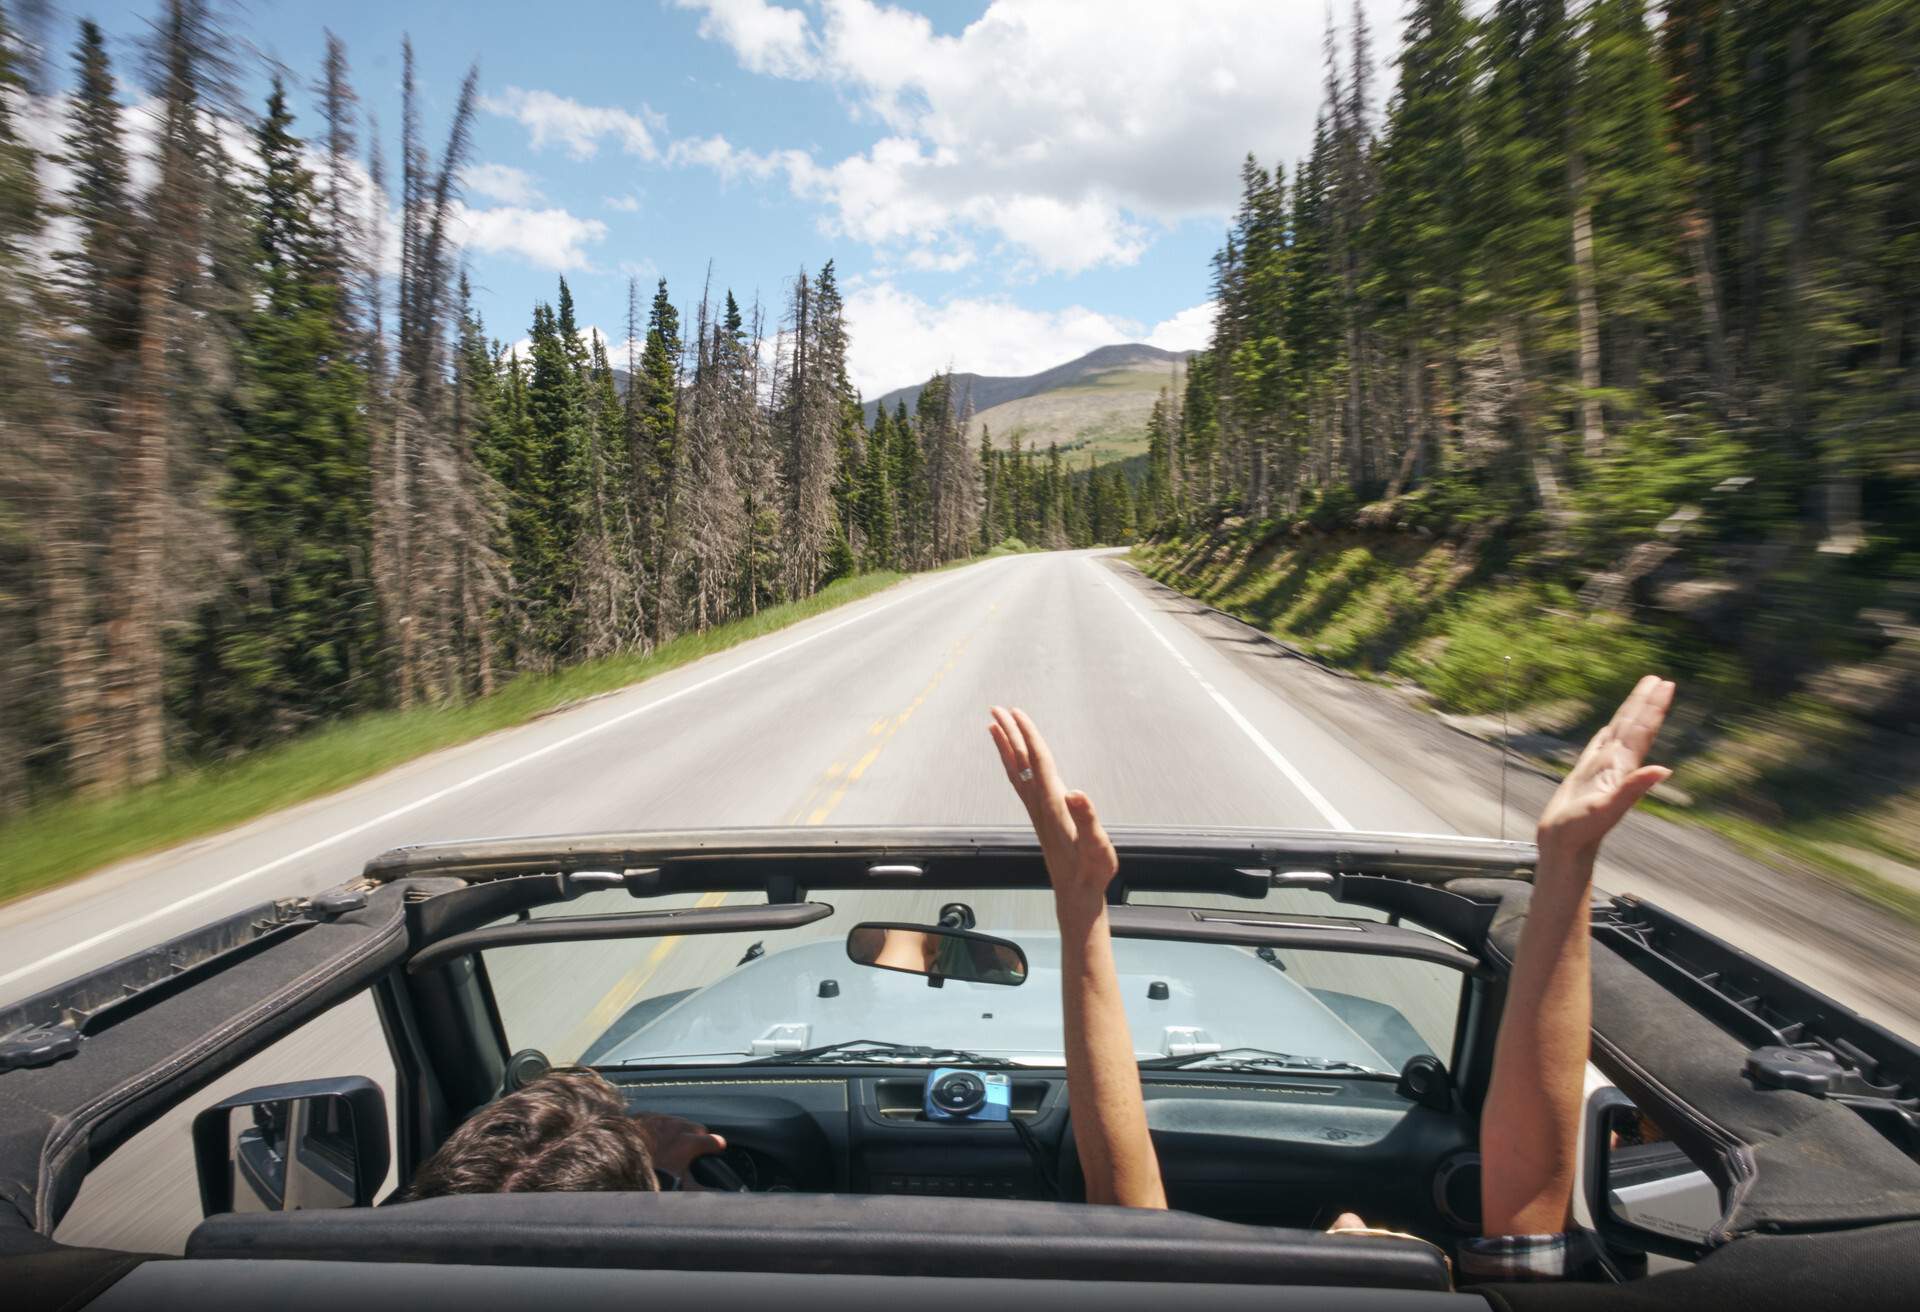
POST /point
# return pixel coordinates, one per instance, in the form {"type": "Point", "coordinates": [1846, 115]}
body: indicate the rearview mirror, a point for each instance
{"type": "Point", "coordinates": [939, 954]}
{"type": "Point", "coordinates": [292, 1147]}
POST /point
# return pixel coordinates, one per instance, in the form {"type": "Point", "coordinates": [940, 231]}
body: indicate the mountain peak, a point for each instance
{"type": "Point", "coordinates": [990, 390]}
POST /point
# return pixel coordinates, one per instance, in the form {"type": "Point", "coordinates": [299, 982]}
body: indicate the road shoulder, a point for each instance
{"type": "Point", "coordinates": [1794, 918]}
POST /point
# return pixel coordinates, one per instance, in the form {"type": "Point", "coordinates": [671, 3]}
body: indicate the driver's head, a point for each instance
{"type": "Point", "coordinates": [567, 1132]}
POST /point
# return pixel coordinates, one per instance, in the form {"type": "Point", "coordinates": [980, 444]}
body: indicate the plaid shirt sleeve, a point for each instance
{"type": "Point", "coordinates": [1515, 1257]}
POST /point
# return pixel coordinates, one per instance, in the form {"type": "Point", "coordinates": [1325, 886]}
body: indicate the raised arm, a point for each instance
{"type": "Point", "coordinates": [1530, 1126]}
{"type": "Point", "coordinates": [1109, 1115]}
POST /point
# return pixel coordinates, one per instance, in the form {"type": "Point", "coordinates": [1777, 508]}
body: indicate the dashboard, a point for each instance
{"type": "Point", "coordinates": [1256, 1149]}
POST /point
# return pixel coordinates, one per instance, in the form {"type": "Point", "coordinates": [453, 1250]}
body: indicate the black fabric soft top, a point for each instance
{"type": "Point", "coordinates": [58, 1121]}
{"type": "Point", "coordinates": [1841, 1271]}
{"type": "Point", "coordinates": [1787, 1161]}
{"type": "Point", "coordinates": [826, 1233]}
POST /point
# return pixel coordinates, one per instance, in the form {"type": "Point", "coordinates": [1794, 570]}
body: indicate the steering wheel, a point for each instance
{"type": "Point", "coordinates": [714, 1172]}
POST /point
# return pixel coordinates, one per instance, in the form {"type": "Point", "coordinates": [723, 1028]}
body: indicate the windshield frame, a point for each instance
{"type": "Point", "coordinates": [1410, 879]}
{"type": "Point", "coordinates": [762, 1009]}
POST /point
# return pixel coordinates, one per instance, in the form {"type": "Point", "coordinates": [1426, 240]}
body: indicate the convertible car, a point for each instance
{"type": "Point", "coordinates": [871, 1019]}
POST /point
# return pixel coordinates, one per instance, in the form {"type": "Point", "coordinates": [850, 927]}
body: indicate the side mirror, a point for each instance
{"type": "Point", "coordinates": [292, 1147]}
{"type": "Point", "coordinates": [939, 954]}
{"type": "Point", "coordinates": [1646, 1195]}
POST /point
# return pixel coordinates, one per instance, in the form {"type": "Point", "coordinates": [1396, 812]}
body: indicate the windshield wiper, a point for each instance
{"type": "Point", "coordinates": [1257, 1059]}
{"type": "Point", "coordinates": [879, 1051]}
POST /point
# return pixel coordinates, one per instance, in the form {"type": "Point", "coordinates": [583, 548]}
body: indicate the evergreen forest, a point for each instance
{"type": "Point", "coordinates": [261, 470]}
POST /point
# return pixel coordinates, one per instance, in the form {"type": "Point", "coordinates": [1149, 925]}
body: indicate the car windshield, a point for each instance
{"type": "Point", "coordinates": [794, 995]}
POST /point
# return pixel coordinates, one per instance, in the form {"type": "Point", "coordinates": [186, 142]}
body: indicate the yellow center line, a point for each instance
{"type": "Point", "coordinates": [884, 729]}
{"type": "Point", "coordinates": [627, 992]}
{"type": "Point", "coordinates": [840, 776]}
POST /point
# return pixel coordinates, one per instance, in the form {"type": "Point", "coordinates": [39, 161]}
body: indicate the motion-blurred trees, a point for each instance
{"type": "Point", "coordinates": [249, 482]}
{"type": "Point", "coordinates": [1586, 244]}
{"type": "Point", "coordinates": [292, 636]}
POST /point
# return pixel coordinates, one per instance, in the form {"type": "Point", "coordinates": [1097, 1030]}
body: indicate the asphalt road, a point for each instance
{"type": "Point", "coordinates": [873, 714]}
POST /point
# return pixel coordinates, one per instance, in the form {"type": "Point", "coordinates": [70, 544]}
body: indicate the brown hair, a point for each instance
{"type": "Point", "coordinates": [568, 1131]}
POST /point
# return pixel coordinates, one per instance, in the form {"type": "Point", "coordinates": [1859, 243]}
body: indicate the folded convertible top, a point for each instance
{"type": "Point", "coordinates": [819, 1233]}
{"type": "Point", "coordinates": [1787, 1161]}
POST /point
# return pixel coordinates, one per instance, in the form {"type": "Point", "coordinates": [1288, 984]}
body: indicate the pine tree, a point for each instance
{"type": "Point", "coordinates": [759, 466]}
{"type": "Point", "coordinates": [850, 433]}
{"type": "Point", "coordinates": [100, 281]}
{"type": "Point", "coordinates": [910, 491]}
{"type": "Point", "coordinates": [489, 623]}
{"type": "Point", "coordinates": [556, 418]}
{"type": "Point", "coordinates": [340, 190]}
{"type": "Point", "coordinates": [44, 501]}
{"type": "Point", "coordinates": [605, 588]}
{"type": "Point", "coordinates": [877, 496]}
{"type": "Point", "coordinates": [713, 509]}
{"type": "Point", "coordinates": [103, 270]}
{"type": "Point", "coordinates": [293, 639]}
{"type": "Point", "coordinates": [819, 412]}
{"type": "Point", "coordinates": [1056, 530]}
{"type": "Point", "coordinates": [991, 513]}
{"type": "Point", "coordinates": [1424, 224]}
{"type": "Point", "coordinates": [653, 398]}
{"type": "Point", "coordinates": [424, 491]}
{"type": "Point", "coordinates": [175, 409]}
{"type": "Point", "coordinates": [1016, 495]}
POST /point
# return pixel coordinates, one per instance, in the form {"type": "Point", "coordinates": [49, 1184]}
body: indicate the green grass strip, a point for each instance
{"type": "Point", "coordinates": [1558, 656]}
{"type": "Point", "coordinates": [70, 837]}
{"type": "Point", "coordinates": [1771, 842]}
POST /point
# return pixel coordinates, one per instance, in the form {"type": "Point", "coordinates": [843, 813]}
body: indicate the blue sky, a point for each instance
{"type": "Point", "coordinates": [1002, 186]}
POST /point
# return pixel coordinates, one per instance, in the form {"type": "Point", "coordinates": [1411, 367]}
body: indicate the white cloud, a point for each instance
{"type": "Point", "coordinates": [895, 338]}
{"type": "Point", "coordinates": [766, 38]}
{"type": "Point", "coordinates": [928, 259]}
{"type": "Point", "coordinates": [556, 120]}
{"type": "Point", "coordinates": [547, 239]}
{"type": "Point", "coordinates": [1067, 236]}
{"type": "Point", "coordinates": [501, 182]}
{"type": "Point", "coordinates": [623, 204]}
{"type": "Point", "coordinates": [1065, 130]}
{"type": "Point", "coordinates": [1189, 330]}
{"type": "Point", "coordinates": [730, 162]}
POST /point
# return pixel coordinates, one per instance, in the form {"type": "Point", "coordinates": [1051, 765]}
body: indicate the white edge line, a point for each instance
{"type": "Point", "coordinates": [1315, 798]}
{"type": "Point", "coordinates": [107, 936]}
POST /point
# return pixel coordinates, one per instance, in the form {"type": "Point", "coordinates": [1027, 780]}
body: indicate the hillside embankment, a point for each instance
{"type": "Point", "coordinates": [1796, 730]}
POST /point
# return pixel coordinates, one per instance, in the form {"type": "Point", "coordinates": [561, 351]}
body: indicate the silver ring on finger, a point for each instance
{"type": "Point", "coordinates": [1026, 775]}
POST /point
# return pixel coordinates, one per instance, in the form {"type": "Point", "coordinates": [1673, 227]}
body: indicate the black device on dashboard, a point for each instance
{"type": "Point", "coordinates": [954, 1094]}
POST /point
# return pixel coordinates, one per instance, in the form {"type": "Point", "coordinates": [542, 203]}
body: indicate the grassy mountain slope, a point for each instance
{"type": "Point", "coordinates": [1107, 374]}
{"type": "Point", "coordinates": [1104, 411]}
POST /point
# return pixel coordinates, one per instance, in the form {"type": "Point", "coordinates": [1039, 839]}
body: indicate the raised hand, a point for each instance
{"type": "Point", "coordinates": [1610, 776]}
{"type": "Point", "coordinates": [1080, 859]}
{"type": "Point", "coordinates": [1109, 1117]}
{"type": "Point", "coordinates": [1537, 1094]}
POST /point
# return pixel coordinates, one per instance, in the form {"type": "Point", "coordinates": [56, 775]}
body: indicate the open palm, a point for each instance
{"type": "Point", "coordinates": [1611, 774]}
{"type": "Point", "coordinates": [1080, 858]}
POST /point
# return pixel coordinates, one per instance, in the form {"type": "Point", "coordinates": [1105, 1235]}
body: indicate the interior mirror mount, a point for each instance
{"type": "Point", "coordinates": [293, 1147]}
{"type": "Point", "coordinates": [938, 953]}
